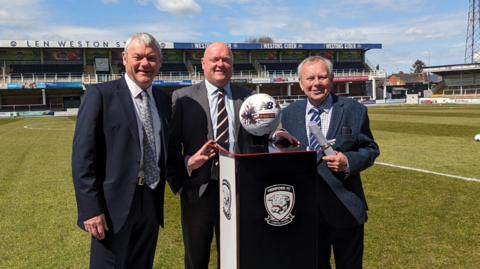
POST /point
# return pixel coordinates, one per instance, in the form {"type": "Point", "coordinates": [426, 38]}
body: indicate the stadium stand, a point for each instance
{"type": "Point", "coordinates": [236, 67]}
{"type": "Point", "coordinates": [280, 66]}
{"type": "Point", "coordinates": [46, 68]}
{"type": "Point", "coordinates": [165, 68]}
{"type": "Point", "coordinates": [173, 67]}
{"type": "Point", "coordinates": [456, 86]}
{"type": "Point", "coordinates": [199, 67]}
{"type": "Point", "coordinates": [244, 67]}
{"type": "Point", "coordinates": [349, 66]}
{"type": "Point", "coordinates": [121, 68]}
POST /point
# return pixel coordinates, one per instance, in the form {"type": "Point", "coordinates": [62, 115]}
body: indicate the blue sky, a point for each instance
{"type": "Point", "coordinates": [406, 29]}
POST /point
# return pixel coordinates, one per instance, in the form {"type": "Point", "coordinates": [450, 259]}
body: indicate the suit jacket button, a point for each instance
{"type": "Point", "coordinates": [134, 183]}
{"type": "Point", "coordinates": [138, 162]}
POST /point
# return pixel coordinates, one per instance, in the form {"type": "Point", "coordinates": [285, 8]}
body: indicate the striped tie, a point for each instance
{"type": "Point", "coordinates": [315, 111]}
{"type": "Point", "coordinates": [150, 165]}
{"type": "Point", "coordinates": [222, 120]}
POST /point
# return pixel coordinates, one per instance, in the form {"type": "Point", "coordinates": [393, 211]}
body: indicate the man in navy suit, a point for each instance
{"type": "Point", "coordinates": [119, 159]}
{"type": "Point", "coordinates": [341, 201]}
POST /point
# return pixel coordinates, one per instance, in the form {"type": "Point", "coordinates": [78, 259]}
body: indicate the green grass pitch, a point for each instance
{"type": "Point", "coordinates": [416, 219]}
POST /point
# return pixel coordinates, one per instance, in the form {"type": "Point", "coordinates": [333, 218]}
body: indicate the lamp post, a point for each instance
{"type": "Point", "coordinates": [428, 73]}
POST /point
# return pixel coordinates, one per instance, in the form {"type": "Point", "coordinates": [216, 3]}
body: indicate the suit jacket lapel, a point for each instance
{"type": "Point", "coordinates": [162, 115]}
{"type": "Point", "coordinates": [237, 104]}
{"type": "Point", "coordinates": [301, 124]}
{"type": "Point", "coordinates": [337, 114]}
{"type": "Point", "coordinates": [125, 98]}
{"type": "Point", "coordinates": [201, 97]}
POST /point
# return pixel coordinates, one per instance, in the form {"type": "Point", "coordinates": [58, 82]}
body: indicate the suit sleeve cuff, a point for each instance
{"type": "Point", "coordinates": [186, 165]}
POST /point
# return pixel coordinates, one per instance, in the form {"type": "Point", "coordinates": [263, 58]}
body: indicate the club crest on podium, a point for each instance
{"type": "Point", "coordinates": [279, 202]}
{"type": "Point", "coordinates": [227, 196]}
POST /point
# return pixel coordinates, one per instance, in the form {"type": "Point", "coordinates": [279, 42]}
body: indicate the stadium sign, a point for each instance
{"type": "Point", "coordinates": [171, 82]}
{"type": "Point", "coordinates": [350, 78]}
{"type": "Point", "coordinates": [25, 85]}
{"type": "Point", "coordinates": [69, 44]}
{"type": "Point", "coordinates": [8, 114]}
{"type": "Point", "coordinates": [260, 80]}
{"type": "Point", "coordinates": [63, 84]}
{"type": "Point", "coordinates": [182, 45]}
{"type": "Point", "coordinates": [281, 46]}
{"type": "Point", "coordinates": [239, 81]}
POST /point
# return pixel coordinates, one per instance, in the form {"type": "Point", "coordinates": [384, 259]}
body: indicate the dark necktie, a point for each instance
{"type": "Point", "coordinates": [150, 165]}
{"type": "Point", "coordinates": [222, 120]}
{"type": "Point", "coordinates": [315, 111]}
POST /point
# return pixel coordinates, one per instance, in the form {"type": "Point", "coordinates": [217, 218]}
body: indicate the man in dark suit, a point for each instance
{"type": "Point", "coordinates": [119, 160]}
{"type": "Point", "coordinates": [341, 201]}
{"type": "Point", "coordinates": [193, 172]}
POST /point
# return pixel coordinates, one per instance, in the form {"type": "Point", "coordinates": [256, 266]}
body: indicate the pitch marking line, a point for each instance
{"type": "Point", "coordinates": [35, 128]}
{"type": "Point", "coordinates": [430, 172]}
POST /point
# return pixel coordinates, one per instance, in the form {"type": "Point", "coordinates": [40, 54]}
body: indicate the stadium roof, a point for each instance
{"type": "Point", "coordinates": [183, 45]}
{"type": "Point", "coordinates": [453, 69]}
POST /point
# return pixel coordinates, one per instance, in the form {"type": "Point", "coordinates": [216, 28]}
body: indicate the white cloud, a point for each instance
{"type": "Point", "coordinates": [420, 33]}
{"type": "Point", "coordinates": [13, 35]}
{"type": "Point", "coordinates": [184, 8]}
{"type": "Point", "coordinates": [310, 32]}
{"type": "Point", "coordinates": [409, 6]}
{"type": "Point", "coordinates": [10, 19]}
{"type": "Point", "coordinates": [259, 20]}
{"type": "Point", "coordinates": [168, 32]}
{"type": "Point", "coordinates": [216, 33]}
{"type": "Point", "coordinates": [323, 16]}
{"type": "Point", "coordinates": [109, 1]}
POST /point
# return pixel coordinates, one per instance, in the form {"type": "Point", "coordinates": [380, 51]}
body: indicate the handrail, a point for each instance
{"type": "Point", "coordinates": [178, 75]}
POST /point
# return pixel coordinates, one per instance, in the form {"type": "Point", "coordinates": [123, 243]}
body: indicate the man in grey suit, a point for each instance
{"type": "Point", "coordinates": [192, 169]}
{"type": "Point", "coordinates": [341, 201]}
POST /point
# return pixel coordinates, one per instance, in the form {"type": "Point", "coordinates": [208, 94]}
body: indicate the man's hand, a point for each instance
{"type": "Point", "coordinates": [96, 226]}
{"type": "Point", "coordinates": [282, 135]}
{"type": "Point", "coordinates": [336, 163]}
{"type": "Point", "coordinates": [202, 155]}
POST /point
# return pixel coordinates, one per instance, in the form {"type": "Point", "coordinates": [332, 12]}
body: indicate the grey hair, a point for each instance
{"type": "Point", "coordinates": [314, 59]}
{"type": "Point", "coordinates": [144, 38]}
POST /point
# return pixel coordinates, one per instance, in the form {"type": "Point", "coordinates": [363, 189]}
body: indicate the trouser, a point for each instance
{"type": "Point", "coordinates": [347, 245]}
{"type": "Point", "coordinates": [199, 221]}
{"type": "Point", "coordinates": [134, 245]}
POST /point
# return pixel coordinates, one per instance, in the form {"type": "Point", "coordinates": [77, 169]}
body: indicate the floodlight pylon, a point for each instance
{"type": "Point", "coordinates": [472, 44]}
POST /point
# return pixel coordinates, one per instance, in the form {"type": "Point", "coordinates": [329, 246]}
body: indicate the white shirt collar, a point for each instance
{"type": "Point", "coordinates": [325, 106]}
{"type": "Point", "coordinates": [211, 88]}
{"type": "Point", "coordinates": [135, 90]}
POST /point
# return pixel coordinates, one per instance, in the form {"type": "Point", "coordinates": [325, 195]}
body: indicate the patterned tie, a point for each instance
{"type": "Point", "coordinates": [150, 165]}
{"type": "Point", "coordinates": [315, 111]}
{"type": "Point", "coordinates": [222, 120]}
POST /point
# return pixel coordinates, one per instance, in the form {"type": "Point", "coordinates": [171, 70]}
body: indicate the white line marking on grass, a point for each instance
{"type": "Point", "coordinates": [430, 172]}
{"type": "Point", "coordinates": [55, 129]}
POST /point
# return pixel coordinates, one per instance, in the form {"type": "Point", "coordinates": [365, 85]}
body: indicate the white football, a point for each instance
{"type": "Point", "coordinates": [260, 114]}
{"type": "Point", "coordinates": [477, 137]}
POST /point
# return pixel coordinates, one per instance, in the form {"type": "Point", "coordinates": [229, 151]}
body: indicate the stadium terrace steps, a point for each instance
{"type": "Point", "coordinates": [46, 68]}
{"type": "Point", "coordinates": [244, 67]}
{"type": "Point", "coordinates": [166, 67]}
{"type": "Point", "coordinates": [115, 69]}
{"type": "Point", "coordinates": [89, 70]}
{"type": "Point", "coordinates": [468, 91]}
{"type": "Point", "coordinates": [349, 66]}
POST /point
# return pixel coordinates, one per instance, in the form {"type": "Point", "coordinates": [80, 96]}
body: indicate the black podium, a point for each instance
{"type": "Point", "coordinates": [268, 208]}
